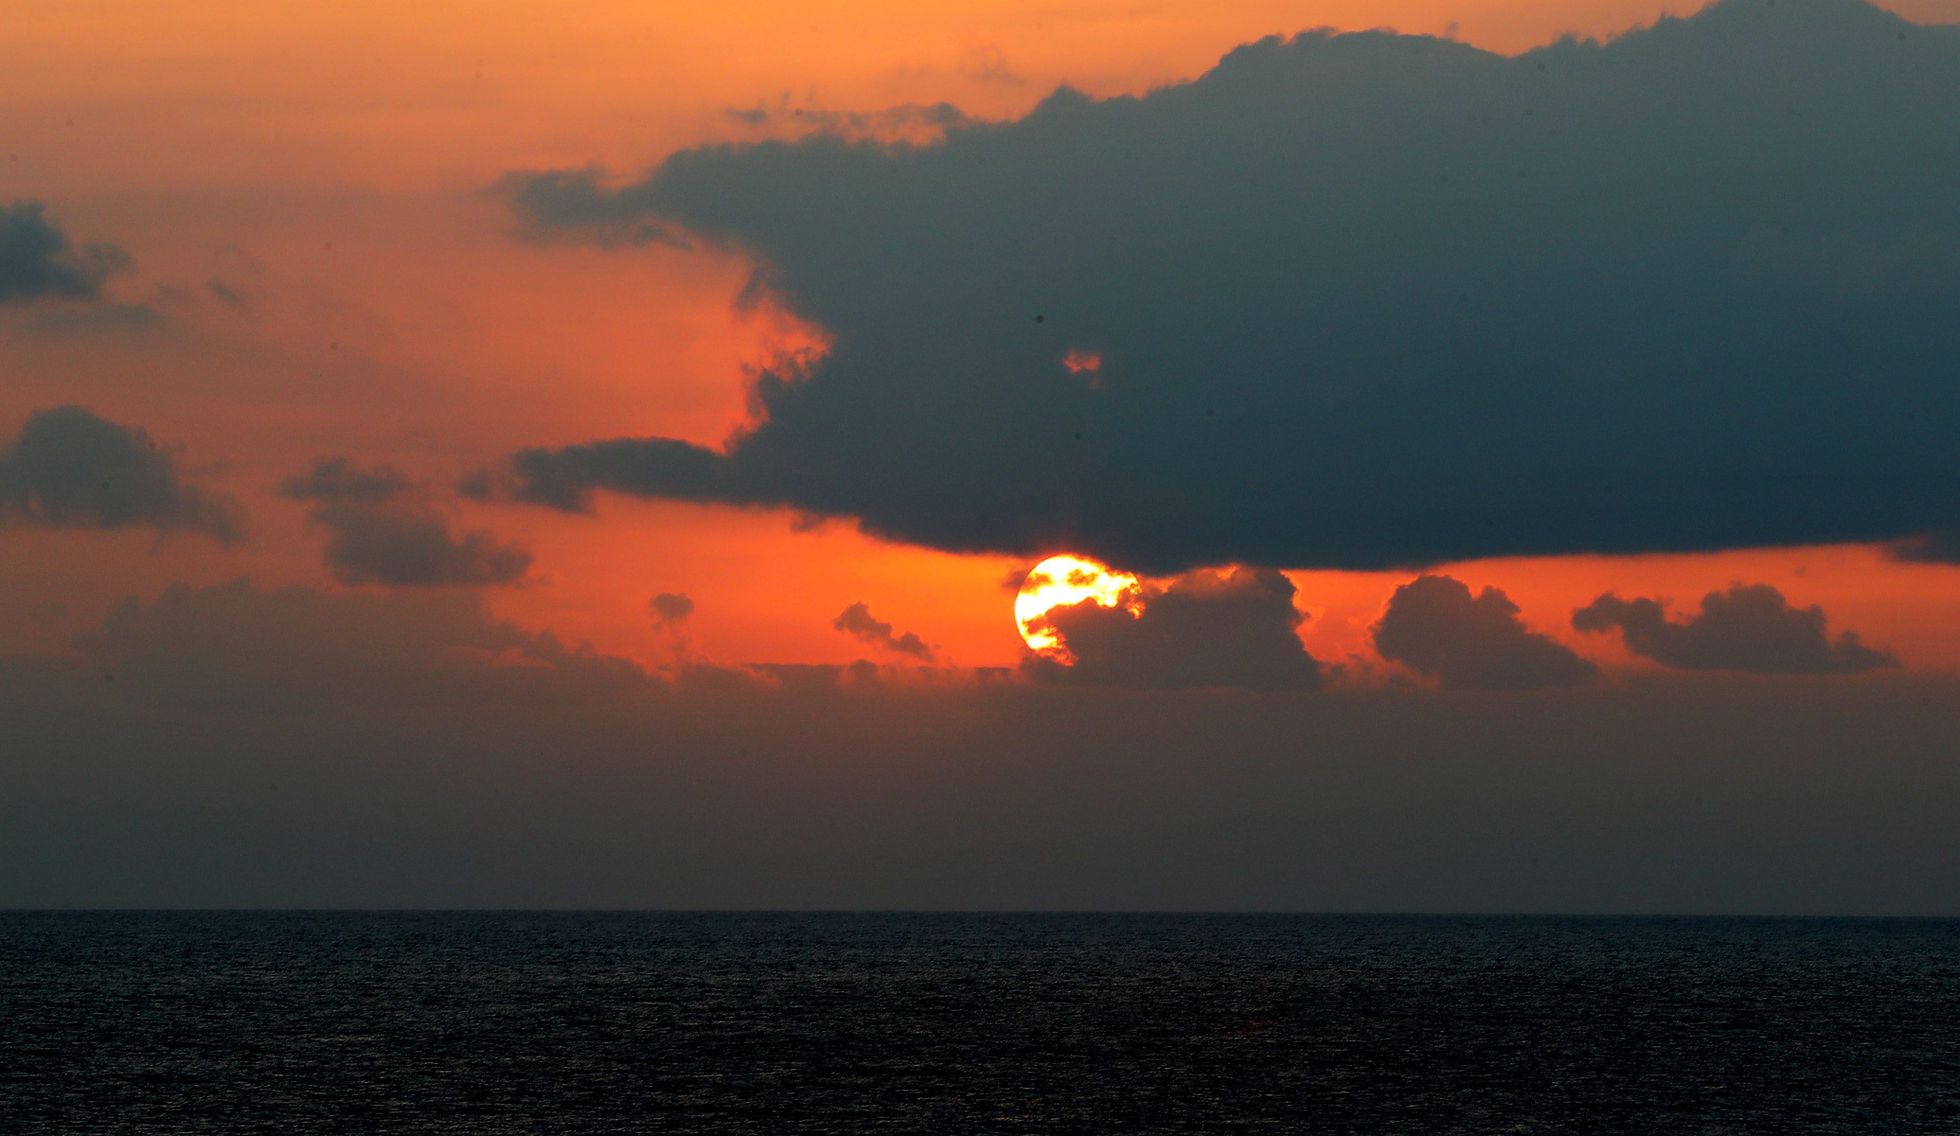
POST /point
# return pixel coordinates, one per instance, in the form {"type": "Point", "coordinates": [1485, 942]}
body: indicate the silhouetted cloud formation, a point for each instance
{"type": "Point", "coordinates": [1435, 626]}
{"type": "Point", "coordinates": [1689, 289]}
{"type": "Point", "coordinates": [71, 469]}
{"type": "Point", "coordinates": [1205, 629]}
{"type": "Point", "coordinates": [671, 607]}
{"type": "Point", "coordinates": [38, 261]}
{"type": "Point", "coordinates": [857, 621]}
{"type": "Point", "coordinates": [383, 536]}
{"type": "Point", "coordinates": [1749, 627]}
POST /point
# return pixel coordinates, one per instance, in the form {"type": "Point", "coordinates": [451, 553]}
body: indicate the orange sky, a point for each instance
{"type": "Point", "coordinates": [329, 164]}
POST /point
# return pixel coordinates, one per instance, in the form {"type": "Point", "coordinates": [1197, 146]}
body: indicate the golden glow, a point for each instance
{"type": "Point", "coordinates": [1061, 581]}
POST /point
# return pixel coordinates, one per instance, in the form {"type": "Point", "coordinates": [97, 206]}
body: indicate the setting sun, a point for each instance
{"type": "Point", "coordinates": [1060, 581]}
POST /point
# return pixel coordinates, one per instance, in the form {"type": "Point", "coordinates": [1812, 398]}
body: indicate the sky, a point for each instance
{"type": "Point", "coordinates": [518, 455]}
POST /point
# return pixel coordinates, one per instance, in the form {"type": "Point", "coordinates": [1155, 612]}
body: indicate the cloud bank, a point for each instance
{"type": "Point", "coordinates": [241, 650]}
{"type": "Point", "coordinates": [1358, 301]}
{"type": "Point", "coordinates": [71, 469]}
{"type": "Point", "coordinates": [236, 746]}
{"type": "Point", "coordinates": [1749, 627]}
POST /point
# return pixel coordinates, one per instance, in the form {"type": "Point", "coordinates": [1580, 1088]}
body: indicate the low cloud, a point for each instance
{"type": "Point", "coordinates": [1749, 627]}
{"type": "Point", "coordinates": [242, 747]}
{"type": "Point", "coordinates": [71, 469]}
{"type": "Point", "coordinates": [858, 622]}
{"type": "Point", "coordinates": [39, 261]}
{"type": "Point", "coordinates": [1206, 628]}
{"type": "Point", "coordinates": [1436, 627]}
{"type": "Point", "coordinates": [383, 533]}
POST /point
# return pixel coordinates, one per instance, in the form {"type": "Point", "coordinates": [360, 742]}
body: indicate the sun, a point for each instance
{"type": "Point", "coordinates": [1060, 581]}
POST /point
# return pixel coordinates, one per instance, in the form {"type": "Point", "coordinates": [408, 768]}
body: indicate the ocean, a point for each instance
{"type": "Point", "coordinates": [513, 1022]}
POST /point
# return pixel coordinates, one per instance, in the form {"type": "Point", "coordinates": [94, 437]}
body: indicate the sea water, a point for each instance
{"type": "Point", "coordinates": [846, 1023]}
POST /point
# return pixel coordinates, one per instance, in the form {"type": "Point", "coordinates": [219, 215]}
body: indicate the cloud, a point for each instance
{"type": "Point", "coordinates": [551, 203]}
{"type": "Point", "coordinates": [858, 622]}
{"type": "Point", "coordinates": [38, 261]}
{"type": "Point", "coordinates": [910, 122]}
{"type": "Point", "coordinates": [242, 747]}
{"type": "Point", "coordinates": [1205, 629]}
{"type": "Point", "coordinates": [338, 479]}
{"type": "Point", "coordinates": [1436, 627]}
{"type": "Point", "coordinates": [1749, 627]}
{"type": "Point", "coordinates": [1448, 304]}
{"type": "Point", "coordinates": [70, 469]}
{"type": "Point", "coordinates": [986, 63]}
{"type": "Point", "coordinates": [237, 648]}
{"type": "Point", "coordinates": [1941, 546]}
{"type": "Point", "coordinates": [671, 608]}
{"type": "Point", "coordinates": [382, 537]}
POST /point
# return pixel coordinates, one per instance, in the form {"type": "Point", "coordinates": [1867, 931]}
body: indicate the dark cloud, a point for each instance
{"type": "Point", "coordinates": [228, 294]}
{"type": "Point", "coordinates": [339, 479]}
{"type": "Point", "coordinates": [1358, 300]}
{"type": "Point", "coordinates": [72, 469]}
{"type": "Point", "coordinates": [1435, 626]}
{"type": "Point", "coordinates": [382, 535]}
{"type": "Point", "coordinates": [857, 621]}
{"type": "Point", "coordinates": [1205, 629]}
{"type": "Point", "coordinates": [236, 747]}
{"type": "Point", "coordinates": [1938, 547]}
{"type": "Point", "coordinates": [38, 261]}
{"type": "Point", "coordinates": [550, 203]}
{"type": "Point", "coordinates": [415, 549]}
{"type": "Point", "coordinates": [671, 607]}
{"type": "Point", "coordinates": [1746, 628]}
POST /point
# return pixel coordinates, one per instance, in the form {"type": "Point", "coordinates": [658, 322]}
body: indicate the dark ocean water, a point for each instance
{"type": "Point", "coordinates": [593, 1023]}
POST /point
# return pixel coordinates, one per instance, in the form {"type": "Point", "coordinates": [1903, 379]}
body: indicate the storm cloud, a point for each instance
{"type": "Point", "coordinates": [384, 534]}
{"type": "Point", "coordinates": [1358, 301]}
{"type": "Point", "coordinates": [72, 469]}
{"type": "Point", "coordinates": [1749, 627]}
{"type": "Point", "coordinates": [1436, 627]}
{"type": "Point", "coordinates": [1204, 629]}
{"type": "Point", "coordinates": [39, 261]}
